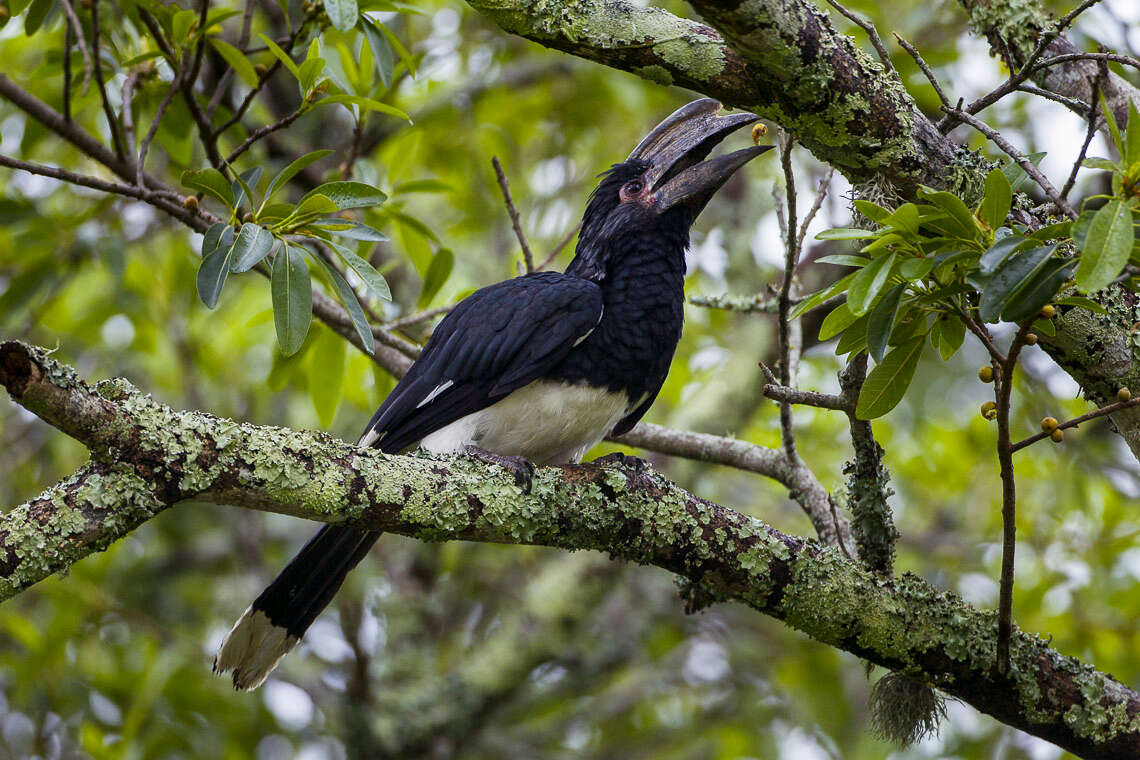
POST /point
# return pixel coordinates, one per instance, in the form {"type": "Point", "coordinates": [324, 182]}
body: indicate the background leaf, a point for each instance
{"type": "Point", "coordinates": [292, 299]}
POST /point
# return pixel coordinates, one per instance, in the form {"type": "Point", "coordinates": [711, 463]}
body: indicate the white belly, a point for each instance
{"type": "Point", "coordinates": [548, 423]}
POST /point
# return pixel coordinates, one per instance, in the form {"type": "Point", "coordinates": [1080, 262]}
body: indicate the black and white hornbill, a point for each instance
{"type": "Point", "coordinates": [537, 369]}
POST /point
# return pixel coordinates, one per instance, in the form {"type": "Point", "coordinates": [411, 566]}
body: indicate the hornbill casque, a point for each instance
{"type": "Point", "coordinates": [535, 370]}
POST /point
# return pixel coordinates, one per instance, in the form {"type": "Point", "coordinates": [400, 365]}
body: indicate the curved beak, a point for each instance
{"type": "Point", "coordinates": [676, 150]}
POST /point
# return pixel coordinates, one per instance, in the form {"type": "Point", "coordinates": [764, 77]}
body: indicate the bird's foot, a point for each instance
{"type": "Point", "coordinates": [520, 467]}
{"type": "Point", "coordinates": [625, 461]}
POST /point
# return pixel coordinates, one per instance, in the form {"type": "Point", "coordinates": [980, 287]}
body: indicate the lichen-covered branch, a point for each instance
{"type": "Point", "coordinates": [780, 58]}
{"type": "Point", "coordinates": [147, 457]}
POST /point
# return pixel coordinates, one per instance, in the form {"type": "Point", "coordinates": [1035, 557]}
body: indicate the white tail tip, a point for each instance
{"type": "Point", "coordinates": [252, 649]}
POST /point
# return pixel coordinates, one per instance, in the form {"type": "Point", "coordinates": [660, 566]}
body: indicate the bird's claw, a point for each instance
{"type": "Point", "coordinates": [521, 467]}
{"type": "Point", "coordinates": [625, 461]}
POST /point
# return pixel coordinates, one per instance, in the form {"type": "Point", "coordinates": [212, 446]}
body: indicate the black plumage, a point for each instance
{"type": "Point", "coordinates": [600, 337]}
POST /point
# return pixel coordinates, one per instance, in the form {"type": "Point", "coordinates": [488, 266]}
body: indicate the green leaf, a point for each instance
{"type": "Point", "coordinates": [252, 245]}
{"type": "Point", "coordinates": [398, 46]}
{"type": "Point", "coordinates": [998, 199]}
{"type": "Point", "coordinates": [1100, 163]}
{"type": "Point", "coordinates": [326, 375]}
{"type": "Point", "coordinates": [347, 195]}
{"type": "Point", "coordinates": [868, 282]}
{"type": "Point", "coordinates": [846, 233]}
{"type": "Point", "coordinates": [836, 322]}
{"type": "Point", "coordinates": [367, 104]}
{"type": "Point", "coordinates": [356, 231]}
{"type": "Point", "coordinates": [237, 61]}
{"type": "Point", "coordinates": [244, 183]}
{"type": "Point", "coordinates": [1113, 129]}
{"type": "Point", "coordinates": [905, 218]}
{"type": "Point", "coordinates": [292, 293]}
{"type": "Point", "coordinates": [947, 335]}
{"type": "Point", "coordinates": [309, 74]}
{"type": "Point", "coordinates": [915, 269]}
{"type": "Point", "coordinates": [1014, 274]}
{"type": "Point", "coordinates": [342, 14]}
{"type": "Point", "coordinates": [437, 274]}
{"type": "Point", "coordinates": [282, 56]}
{"type": "Point", "coordinates": [422, 186]}
{"type": "Point", "coordinates": [212, 182]}
{"type": "Point", "coordinates": [854, 338]}
{"type": "Point", "coordinates": [815, 299]}
{"type": "Point", "coordinates": [1107, 247]}
{"type": "Point", "coordinates": [1045, 327]}
{"type": "Point", "coordinates": [882, 320]}
{"type": "Point", "coordinates": [1038, 291]}
{"type": "Point", "coordinates": [367, 273]}
{"type": "Point", "coordinates": [1084, 303]}
{"type": "Point", "coordinates": [872, 211]}
{"type": "Point", "coordinates": [843, 260]}
{"type": "Point", "coordinates": [180, 24]}
{"type": "Point", "coordinates": [381, 51]}
{"type": "Point", "coordinates": [213, 237]}
{"type": "Point", "coordinates": [290, 171]}
{"type": "Point", "coordinates": [352, 305]}
{"type": "Point", "coordinates": [37, 13]}
{"type": "Point", "coordinates": [964, 224]}
{"type": "Point", "coordinates": [1016, 175]}
{"type": "Point", "coordinates": [887, 382]}
{"type": "Point", "coordinates": [314, 205]}
{"type": "Point", "coordinates": [215, 268]}
{"type": "Point", "coordinates": [1054, 231]}
{"type": "Point", "coordinates": [998, 252]}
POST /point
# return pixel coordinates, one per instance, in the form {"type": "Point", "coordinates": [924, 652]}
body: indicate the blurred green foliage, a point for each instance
{"type": "Point", "coordinates": [467, 650]}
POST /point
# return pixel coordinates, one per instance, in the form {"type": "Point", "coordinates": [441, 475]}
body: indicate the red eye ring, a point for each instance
{"type": "Point", "coordinates": [635, 188]}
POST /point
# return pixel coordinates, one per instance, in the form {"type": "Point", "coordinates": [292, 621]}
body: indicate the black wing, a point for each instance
{"type": "Point", "coordinates": [495, 341]}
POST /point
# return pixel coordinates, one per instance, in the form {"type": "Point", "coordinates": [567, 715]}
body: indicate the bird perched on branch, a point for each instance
{"type": "Point", "coordinates": [534, 370]}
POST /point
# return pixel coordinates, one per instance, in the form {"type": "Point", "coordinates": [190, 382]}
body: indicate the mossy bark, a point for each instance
{"type": "Point", "coordinates": [147, 457]}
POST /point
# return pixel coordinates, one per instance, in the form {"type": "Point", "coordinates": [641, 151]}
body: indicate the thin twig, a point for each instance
{"type": "Point", "coordinates": [504, 185]}
{"type": "Point", "coordinates": [557, 249]}
{"type": "Point", "coordinates": [1094, 120]}
{"type": "Point", "coordinates": [97, 67]}
{"type": "Point", "coordinates": [417, 317]}
{"type": "Point", "coordinates": [791, 259]}
{"type": "Point", "coordinates": [1013, 153]}
{"type": "Point", "coordinates": [1003, 390]}
{"type": "Point", "coordinates": [67, 44]}
{"type": "Point", "coordinates": [75, 34]}
{"type": "Point", "coordinates": [1078, 107]}
{"type": "Point", "coordinates": [140, 163]}
{"type": "Point", "coordinates": [262, 132]}
{"type": "Point", "coordinates": [872, 33]}
{"type": "Point", "coordinates": [1101, 412]}
{"type": "Point", "coordinates": [817, 204]}
{"type": "Point", "coordinates": [983, 335]}
{"type": "Point", "coordinates": [786, 395]}
{"type": "Point", "coordinates": [128, 97]}
{"type": "Point", "coordinates": [922, 64]}
{"type": "Point", "coordinates": [760, 302]}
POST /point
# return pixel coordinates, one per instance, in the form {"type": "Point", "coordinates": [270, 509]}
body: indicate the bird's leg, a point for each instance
{"type": "Point", "coordinates": [624, 461]}
{"type": "Point", "coordinates": [520, 467]}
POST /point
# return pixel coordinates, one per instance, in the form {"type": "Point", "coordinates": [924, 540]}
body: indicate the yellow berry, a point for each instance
{"type": "Point", "coordinates": [1049, 424]}
{"type": "Point", "coordinates": [1031, 339]}
{"type": "Point", "coordinates": [1123, 394]}
{"type": "Point", "coordinates": [1047, 311]}
{"type": "Point", "coordinates": [190, 202]}
{"type": "Point", "coordinates": [986, 374]}
{"type": "Point", "coordinates": [1057, 435]}
{"type": "Point", "coordinates": [989, 410]}
{"type": "Point", "coordinates": [758, 131]}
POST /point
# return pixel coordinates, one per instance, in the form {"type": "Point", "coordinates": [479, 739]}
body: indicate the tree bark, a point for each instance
{"type": "Point", "coordinates": [147, 457]}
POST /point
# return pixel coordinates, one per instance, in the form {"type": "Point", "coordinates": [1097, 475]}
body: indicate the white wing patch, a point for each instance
{"type": "Point", "coordinates": [435, 392]}
{"type": "Point", "coordinates": [369, 439]}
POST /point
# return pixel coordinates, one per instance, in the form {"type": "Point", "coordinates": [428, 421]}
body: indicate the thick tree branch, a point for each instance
{"type": "Point", "coordinates": [147, 457]}
{"type": "Point", "coordinates": [780, 58]}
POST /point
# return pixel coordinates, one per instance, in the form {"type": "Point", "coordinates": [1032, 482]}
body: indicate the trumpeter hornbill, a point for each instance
{"type": "Point", "coordinates": [537, 369]}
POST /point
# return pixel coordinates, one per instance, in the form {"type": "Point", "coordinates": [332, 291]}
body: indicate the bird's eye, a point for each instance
{"type": "Point", "coordinates": [633, 188]}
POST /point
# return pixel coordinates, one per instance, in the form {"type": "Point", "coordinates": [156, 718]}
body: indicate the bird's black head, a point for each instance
{"type": "Point", "coordinates": [661, 188]}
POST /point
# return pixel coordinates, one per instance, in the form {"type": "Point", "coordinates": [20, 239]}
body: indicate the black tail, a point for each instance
{"type": "Point", "coordinates": [279, 617]}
